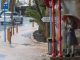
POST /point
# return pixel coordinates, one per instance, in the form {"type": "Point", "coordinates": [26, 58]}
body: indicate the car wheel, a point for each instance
{"type": "Point", "coordinates": [1, 23]}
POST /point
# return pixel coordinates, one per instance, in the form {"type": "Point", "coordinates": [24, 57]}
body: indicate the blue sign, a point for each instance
{"type": "Point", "coordinates": [6, 6]}
{"type": "Point", "coordinates": [0, 4]}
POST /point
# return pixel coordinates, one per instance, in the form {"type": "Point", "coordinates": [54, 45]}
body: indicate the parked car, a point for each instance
{"type": "Point", "coordinates": [7, 18]}
{"type": "Point", "coordinates": [16, 17]}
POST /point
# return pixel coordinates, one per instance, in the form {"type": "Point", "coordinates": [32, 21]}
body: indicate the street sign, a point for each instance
{"type": "Point", "coordinates": [6, 6]}
{"type": "Point", "coordinates": [46, 19]}
{"type": "Point", "coordinates": [0, 4]}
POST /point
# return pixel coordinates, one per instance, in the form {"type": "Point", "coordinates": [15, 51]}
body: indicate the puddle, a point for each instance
{"type": "Point", "coordinates": [26, 35]}
{"type": "Point", "coordinates": [26, 44]}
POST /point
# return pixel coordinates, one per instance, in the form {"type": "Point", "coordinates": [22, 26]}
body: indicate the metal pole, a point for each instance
{"type": "Point", "coordinates": [50, 40]}
{"type": "Point", "coordinates": [20, 10]}
{"type": "Point", "coordinates": [16, 28]}
{"type": "Point", "coordinates": [53, 29]}
{"type": "Point", "coordinates": [50, 15]}
{"type": "Point", "coordinates": [59, 37]}
{"type": "Point", "coordinates": [33, 24]}
{"type": "Point", "coordinates": [4, 26]}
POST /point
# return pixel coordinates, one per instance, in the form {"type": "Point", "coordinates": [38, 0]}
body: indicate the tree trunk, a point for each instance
{"type": "Point", "coordinates": [47, 11]}
{"type": "Point", "coordinates": [12, 10]}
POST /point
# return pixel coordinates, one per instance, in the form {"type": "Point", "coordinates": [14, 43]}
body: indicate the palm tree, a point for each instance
{"type": "Point", "coordinates": [2, 4]}
{"type": "Point", "coordinates": [37, 11]}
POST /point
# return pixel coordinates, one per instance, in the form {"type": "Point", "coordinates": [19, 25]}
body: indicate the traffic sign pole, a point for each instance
{"type": "Point", "coordinates": [5, 9]}
{"type": "Point", "coordinates": [4, 25]}
{"type": "Point", "coordinates": [50, 14]}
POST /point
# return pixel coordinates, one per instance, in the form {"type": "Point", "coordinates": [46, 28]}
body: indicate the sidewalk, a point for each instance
{"type": "Point", "coordinates": [24, 47]}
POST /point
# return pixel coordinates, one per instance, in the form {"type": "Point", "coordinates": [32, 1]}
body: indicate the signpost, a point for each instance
{"type": "Point", "coordinates": [5, 9]}
{"type": "Point", "coordinates": [6, 6]}
{"type": "Point", "coordinates": [50, 15]}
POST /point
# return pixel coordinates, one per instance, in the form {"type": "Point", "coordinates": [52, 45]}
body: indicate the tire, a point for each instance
{"type": "Point", "coordinates": [1, 23]}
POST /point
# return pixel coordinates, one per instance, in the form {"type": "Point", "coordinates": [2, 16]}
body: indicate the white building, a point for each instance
{"type": "Point", "coordinates": [71, 6]}
{"type": "Point", "coordinates": [25, 2]}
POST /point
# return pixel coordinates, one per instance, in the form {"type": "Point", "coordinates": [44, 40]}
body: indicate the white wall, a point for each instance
{"type": "Point", "coordinates": [27, 2]}
{"type": "Point", "coordinates": [71, 6]}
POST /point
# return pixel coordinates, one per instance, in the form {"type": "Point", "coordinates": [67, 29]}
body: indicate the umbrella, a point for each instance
{"type": "Point", "coordinates": [74, 19]}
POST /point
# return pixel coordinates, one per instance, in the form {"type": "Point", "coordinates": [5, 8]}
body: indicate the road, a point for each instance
{"type": "Point", "coordinates": [24, 46]}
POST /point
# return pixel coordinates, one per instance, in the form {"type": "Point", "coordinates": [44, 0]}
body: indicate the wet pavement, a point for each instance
{"type": "Point", "coordinates": [2, 56]}
{"type": "Point", "coordinates": [24, 46]}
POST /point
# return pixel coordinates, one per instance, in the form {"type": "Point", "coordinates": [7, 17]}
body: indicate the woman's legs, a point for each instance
{"type": "Point", "coordinates": [68, 48]}
{"type": "Point", "coordinates": [72, 50]}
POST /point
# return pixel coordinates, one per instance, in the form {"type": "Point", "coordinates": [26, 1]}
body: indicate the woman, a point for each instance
{"type": "Point", "coordinates": [71, 37]}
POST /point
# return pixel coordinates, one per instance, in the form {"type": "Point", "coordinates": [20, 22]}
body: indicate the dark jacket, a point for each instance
{"type": "Point", "coordinates": [72, 40]}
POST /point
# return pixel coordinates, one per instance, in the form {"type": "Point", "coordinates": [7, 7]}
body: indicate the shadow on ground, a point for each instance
{"type": "Point", "coordinates": [39, 37]}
